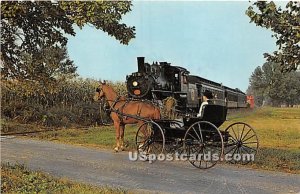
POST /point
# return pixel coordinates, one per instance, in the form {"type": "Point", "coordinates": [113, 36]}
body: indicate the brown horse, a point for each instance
{"type": "Point", "coordinates": [123, 106]}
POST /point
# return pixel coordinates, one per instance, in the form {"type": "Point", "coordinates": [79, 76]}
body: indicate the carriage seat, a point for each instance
{"type": "Point", "coordinates": [215, 114]}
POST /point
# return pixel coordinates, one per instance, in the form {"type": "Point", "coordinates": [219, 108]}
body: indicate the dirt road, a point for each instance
{"type": "Point", "coordinates": [102, 167]}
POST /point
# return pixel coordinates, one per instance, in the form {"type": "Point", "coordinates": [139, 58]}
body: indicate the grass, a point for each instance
{"type": "Point", "coordinates": [12, 127]}
{"type": "Point", "coordinates": [275, 127]}
{"type": "Point", "coordinates": [278, 130]}
{"type": "Point", "coordinates": [19, 179]}
{"type": "Point", "coordinates": [101, 137]}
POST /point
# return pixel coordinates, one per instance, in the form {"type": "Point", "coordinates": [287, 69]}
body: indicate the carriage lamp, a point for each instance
{"type": "Point", "coordinates": [134, 83]}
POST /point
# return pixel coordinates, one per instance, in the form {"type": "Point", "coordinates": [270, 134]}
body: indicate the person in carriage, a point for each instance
{"type": "Point", "coordinates": [206, 99]}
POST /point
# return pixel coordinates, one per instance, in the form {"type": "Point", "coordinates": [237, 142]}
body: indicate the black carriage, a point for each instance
{"type": "Point", "coordinates": [199, 139]}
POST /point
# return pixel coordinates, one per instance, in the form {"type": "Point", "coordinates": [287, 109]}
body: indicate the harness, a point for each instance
{"type": "Point", "coordinates": [119, 111]}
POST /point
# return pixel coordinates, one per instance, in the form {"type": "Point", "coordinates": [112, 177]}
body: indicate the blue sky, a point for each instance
{"type": "Point", "coordinates": [213, 40]}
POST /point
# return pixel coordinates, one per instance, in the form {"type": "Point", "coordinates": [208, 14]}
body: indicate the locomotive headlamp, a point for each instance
{"type": "Point", "coordinates": [134, 83]}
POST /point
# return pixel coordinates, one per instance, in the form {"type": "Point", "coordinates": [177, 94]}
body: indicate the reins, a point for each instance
{"type": "Point", "coordinates": [120, 112]}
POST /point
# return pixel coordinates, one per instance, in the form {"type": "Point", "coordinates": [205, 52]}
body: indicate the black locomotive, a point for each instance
{"type": "Point", "coordinates": [161, 80]}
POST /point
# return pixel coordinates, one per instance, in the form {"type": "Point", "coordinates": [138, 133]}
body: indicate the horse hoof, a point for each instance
{"type": "Point", "coordinates": [122, 148]}
{"type": "Point", "coordinates": [116, 149]}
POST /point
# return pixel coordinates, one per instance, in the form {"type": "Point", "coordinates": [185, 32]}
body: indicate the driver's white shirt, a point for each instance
{"type": "Point", "coordinates": [201, 109]}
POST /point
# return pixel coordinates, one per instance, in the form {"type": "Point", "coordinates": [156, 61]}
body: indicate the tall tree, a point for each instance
{"type": "Point", "coordinates": [286, 27]}
{"type": "Point", "coordinates": [50, 67]}
{"type": "Point", "coordinates": [257, 85]}
{"type": "Point", "coordinates": [275, 81]}
{"type": "Point", "coordinates": [293, 89]}
{"type": "Point", "coordinates": [29, 27]}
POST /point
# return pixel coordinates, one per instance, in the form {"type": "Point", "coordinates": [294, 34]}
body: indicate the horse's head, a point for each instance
{"type": "Point", "coordinates": [99, 91]}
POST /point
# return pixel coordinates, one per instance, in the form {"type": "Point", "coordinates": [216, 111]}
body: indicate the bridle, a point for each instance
{"type": "Point", "coordinates": [98, 90]}
{"type": "Point", "coordinates": [114, 101]}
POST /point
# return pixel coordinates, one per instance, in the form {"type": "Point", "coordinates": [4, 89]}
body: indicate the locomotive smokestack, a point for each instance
{"type": "Point", "coordinates": [141, 64]}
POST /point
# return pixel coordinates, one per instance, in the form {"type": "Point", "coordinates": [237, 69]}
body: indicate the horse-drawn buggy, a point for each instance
{"type": "Point", "coordinates": [198, 139]}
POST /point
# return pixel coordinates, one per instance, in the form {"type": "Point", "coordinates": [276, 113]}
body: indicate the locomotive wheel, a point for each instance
{"type": "Point", "coordinates": [242, 140]}
{"type": "Point", "coordinates": [150, 138]}
{"type": "Point", "coordinates": [203, 144]}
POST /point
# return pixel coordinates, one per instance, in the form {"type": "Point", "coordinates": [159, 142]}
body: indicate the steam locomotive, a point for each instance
{"type": "Point", "coordinates": [161, 80]}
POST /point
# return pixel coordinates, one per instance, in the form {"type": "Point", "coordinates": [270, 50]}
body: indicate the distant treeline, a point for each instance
{"type": "Point", "coordinates": [63, 104]}
{"type": "Point", "coordinates": [272, 87]}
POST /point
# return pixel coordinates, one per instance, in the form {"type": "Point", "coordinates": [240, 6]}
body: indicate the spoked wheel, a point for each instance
{"type": "Point", "coordinates": [203, 144]}
{"type": "Point", "coordinates": [150, 138]}
{"type": "Point", "coordinates": [242, 143]}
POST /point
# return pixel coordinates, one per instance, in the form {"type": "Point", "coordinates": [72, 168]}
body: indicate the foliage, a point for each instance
{"type": "Point", "coordinates": [43, 71]}
{"type": "Point", "coordinates": [286, 27]}
{"type": "Point", "coordinates": [68, 103]}
{"type": "Point", "coordinates": [32, 30]}
{"type": "Point", "coordinates": [103, 15]}
{"type": "Point", "coordinates": [19, 179]}
{"type": "Point", "coordinates": [268, 83]}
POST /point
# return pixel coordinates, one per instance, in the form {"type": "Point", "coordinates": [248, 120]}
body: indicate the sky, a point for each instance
{"type": "Point", "coordinates": [211, 39]}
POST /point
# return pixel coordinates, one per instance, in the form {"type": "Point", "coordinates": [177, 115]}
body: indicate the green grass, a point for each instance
{"type": "Point", "coordinates": [19, 179]}
{"type": "Point", "coordinates": [8, 127]}
{"type": "Point", "coordinates": [278, 130]}
{"type": "Point", "coordinates": [102, 137]}
{"type": "Point", "coordinates": [275, 127]}
{"type": "Point", "coordinates": [278, 159]}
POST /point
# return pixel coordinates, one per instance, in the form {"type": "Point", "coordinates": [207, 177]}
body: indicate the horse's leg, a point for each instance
{"type": "Point", "coordinates": [122, 131]}
{"type": "Point", "coordinates": [117, 126]}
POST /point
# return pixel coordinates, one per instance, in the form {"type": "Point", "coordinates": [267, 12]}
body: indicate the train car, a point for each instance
{"type": "Point", "coordinates": [161, 80]}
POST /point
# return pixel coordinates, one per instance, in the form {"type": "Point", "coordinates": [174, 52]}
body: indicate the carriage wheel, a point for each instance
{"type": "Point", "coordinates": [242, 142]}
{"type": "Point", "coordinates": [150, 138]}
{"type": "Point", "coordinates": [203, 144]}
